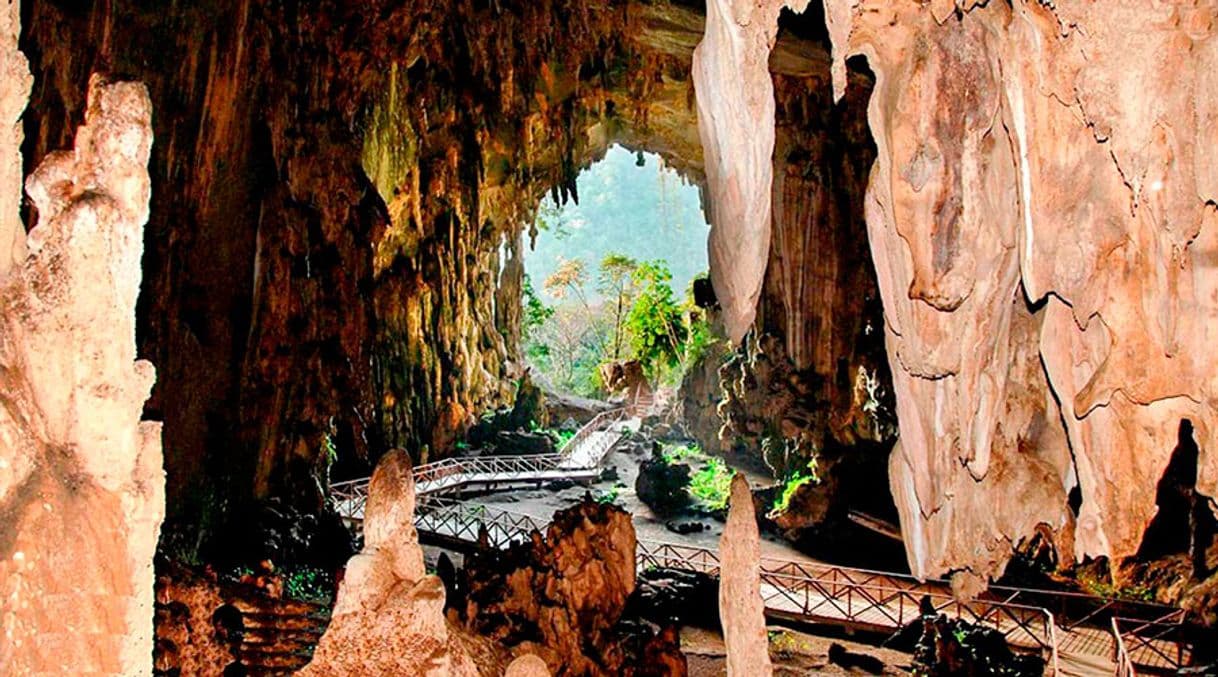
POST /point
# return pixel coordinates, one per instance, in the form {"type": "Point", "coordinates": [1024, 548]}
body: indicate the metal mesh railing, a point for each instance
{"type": "Point", "coordinates": [1157, 645]}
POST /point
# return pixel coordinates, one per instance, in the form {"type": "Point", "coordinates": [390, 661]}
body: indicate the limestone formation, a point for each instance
{"type": "Point", "coordinates": [81, 485]}
{"type": "Point", "coordinates": [1043, 194]}
{"type": "Point", "coordinates": [736, 124]}
{"type": "Point", "coordinates": [388, 618]}
{"type": "Point", "coordinates": [741, 610]}
{"type": "Point", "coordinates": [15, 74]}
{"type": "Point", "coordinates": [528, 665]}
{"type": "Point", "coordinates": [561, 594]}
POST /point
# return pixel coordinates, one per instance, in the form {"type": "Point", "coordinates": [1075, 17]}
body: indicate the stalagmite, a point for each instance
{"type": "Point", "coordinates": [741, 610]}
{"type": "Point", "coordinates": [735, 98]}
{"type": "Point", "coordinates": [528, 665]}
{"type": "Point", "coordinates": [81, 485]}
{"type": "Point", "coordinates": [15, 74]}
{"type": "Point", "coordinates": [389, 615]}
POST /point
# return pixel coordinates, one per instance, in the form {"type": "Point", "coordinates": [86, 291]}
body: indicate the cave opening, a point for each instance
{"type": "Point", "coordinates": [609, 279]}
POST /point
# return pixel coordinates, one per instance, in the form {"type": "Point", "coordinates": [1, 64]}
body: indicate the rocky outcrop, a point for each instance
{"type": "Point", "coordinates": [81, 485]}
{"type": "Point", "coordinates": [388, 617]}
{"type": "Point", "coordinates": [741, 610]}
{"type": "Point", "coordinates": [737, 133]}
{"type": "Point", "coordinates": [562, 595]}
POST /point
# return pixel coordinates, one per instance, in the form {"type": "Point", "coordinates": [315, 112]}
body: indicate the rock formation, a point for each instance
{"type": "Point", "coordinates": [1040, 196]}
{"type": "Point", "coordinates": [560, 595]}
{"type": "Point", "coordinates": [528, 665]}
{"type": "Point", "coordinates": [81, 485]}
{"type": "Point", "coordinates": [388, 618]}
{"type": "Point", "coordinates": [741, 610]}
{"type": "Point", "coordinates": [15, 73]}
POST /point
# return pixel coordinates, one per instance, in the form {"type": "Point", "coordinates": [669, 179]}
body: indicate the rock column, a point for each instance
{"type": "Point", "coordinates": [741, 609]}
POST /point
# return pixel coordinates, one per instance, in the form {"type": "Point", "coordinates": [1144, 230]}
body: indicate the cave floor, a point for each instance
{"type": "Point", "coordinates": [542, 503]}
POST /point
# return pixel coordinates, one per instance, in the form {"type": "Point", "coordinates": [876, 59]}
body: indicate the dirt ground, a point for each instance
{"type": "Point", "coordinates": [792, 653]}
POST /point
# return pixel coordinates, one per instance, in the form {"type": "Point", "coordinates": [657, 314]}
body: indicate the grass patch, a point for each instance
{"type": "Point", "coordinates": [712, 484]}
{"type": "Point", "coordinates": [1101, 587]}
{"type": "Point", "coordinates": [676, 453]}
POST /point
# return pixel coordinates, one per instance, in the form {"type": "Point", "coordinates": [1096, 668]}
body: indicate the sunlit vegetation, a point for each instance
{"type": "Point", "coordinates": [712, 484]}
{"type": "Point", "coordinates": [798, 479]}
{"type": "Point", "coordinates": [594, 294]}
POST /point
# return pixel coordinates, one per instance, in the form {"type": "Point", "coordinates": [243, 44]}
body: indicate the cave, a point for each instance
{"type": "Point", "coordinates": [264, 277]}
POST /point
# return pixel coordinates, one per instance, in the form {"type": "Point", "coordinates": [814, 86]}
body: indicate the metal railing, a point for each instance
{"type": "Point", "coordinates": [352, 495]}
{"type": "Point", "coordinates": [601, 422]}
{"type": "Point", "coordinates": [477, 524]}
{"type": "Point", "coordinates": [1156, 645]}
{"type": "Point", "coordinates": [1124, 664]}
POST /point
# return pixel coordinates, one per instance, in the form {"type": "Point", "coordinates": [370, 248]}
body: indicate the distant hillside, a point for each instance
{"type": "Point", "coordinates": [646, 212]}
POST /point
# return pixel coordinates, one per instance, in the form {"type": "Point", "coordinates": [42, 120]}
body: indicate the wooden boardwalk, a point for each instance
{"type": "Point", "coordinates": [1065, 628]}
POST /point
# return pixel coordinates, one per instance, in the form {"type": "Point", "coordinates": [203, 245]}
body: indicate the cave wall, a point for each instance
{"type": "Point", "coordinates": [1041, 216]}
{"type": "Point", "coordinates": [331, 188]}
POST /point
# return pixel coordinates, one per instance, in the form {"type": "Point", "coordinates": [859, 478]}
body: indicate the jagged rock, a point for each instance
{"type": "Point", "coordinates": [625, 378]}
{"type": "Point", "coordinates": [80, 473]}
{"type": "Point", "coordinates": [388, 617]}
{"type": "Point", "coordinates": [528, 665]}
{"type": "Point", "coordinates": [560, 595]}
{"type": "Point", "coordinates": [741, 611]}
{"type": "Point", "coordinates": [663, 486]}
{"type": "Point", "coordinates": [15, 72]}
{"type": "Point", "coordinates": [956, 647]}
{"type": "Point", "coordinates": [675, 597]}
{"type": "Point", "coordinates": [684, 527]}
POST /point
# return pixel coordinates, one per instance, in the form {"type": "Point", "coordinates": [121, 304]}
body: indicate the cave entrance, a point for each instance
{"type": "Point", "coordinates": [609, 279]}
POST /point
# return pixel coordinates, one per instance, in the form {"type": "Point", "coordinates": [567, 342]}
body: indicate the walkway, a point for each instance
{"type": "Point", "coordinates": [578, 460]}
{"type": "Point", "coordinates": [1066, 628]}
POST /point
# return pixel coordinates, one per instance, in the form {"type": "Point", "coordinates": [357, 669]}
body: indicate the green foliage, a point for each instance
{"type": "Point", "coordinates": [308, 584]}
{"type": "Point", "coordinates": [676, 453]}
{"type": "Point", "coordinates": [793, 483]}
{"type": "Point", "coordinates": [616, 282]}
{"type": "Point", "coordinates": [640, 212]}
{"type": "Point", "coordinates": [607, 497]}
{"type": "Point", "coordinates": [535, 314]}
{"type": "Point", "coordinates": [655, 324]}
{"type": "Point", "coordinates": [1101, 587]}
{"type": "Point", "coordinates": [712, 484]}
{"type": "Point", "coordinates": [329, 452]}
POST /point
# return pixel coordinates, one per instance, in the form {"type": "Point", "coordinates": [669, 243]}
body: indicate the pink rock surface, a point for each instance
{"type": "Point", "coordinates": [1042, 219]}
{"type": "Point", "coordinates": [741, 610]}
{"type": "Point", "coordinates": [388, 617]}
{"type": "Point", "coordinates": [81, 482]}
{"type": "Point", "coordinates": [735, 96]}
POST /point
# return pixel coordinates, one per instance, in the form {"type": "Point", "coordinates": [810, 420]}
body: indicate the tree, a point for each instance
{"type": "Point", "coordinates": [616, 282]}
{"type": "Point", "coordinates": [570, 278]}
{"type": "Point", "coordinates": [657, 329]}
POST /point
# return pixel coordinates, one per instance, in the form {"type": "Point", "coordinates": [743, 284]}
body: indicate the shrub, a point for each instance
{"type": "Point", "coordinates": [712, 484]}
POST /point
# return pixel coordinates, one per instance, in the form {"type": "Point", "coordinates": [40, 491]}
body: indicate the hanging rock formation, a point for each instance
{"type": "Point", "coordinates": [1042, 195]}
{"type": "Point", "coordinates": [737, 132]}
{"type": "Point", "coordinates": [741, 610]}
{"type": "Point", "coordinates": [388, 618]}
{"type": "Point", "coordinates": [81, 485]}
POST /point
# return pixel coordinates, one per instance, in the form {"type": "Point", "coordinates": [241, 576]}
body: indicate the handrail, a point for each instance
{"type": "Point", "coordinates": [813, 590]}
{"type": "Point", "coordinates": [1124, 663]}
{"type": "Point", "coordinates": [450, 473]}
